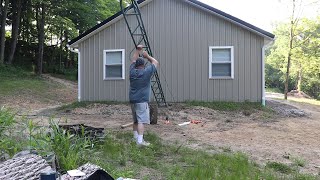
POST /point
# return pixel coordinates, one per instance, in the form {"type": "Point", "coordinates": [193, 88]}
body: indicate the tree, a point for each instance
{"type": "Point", "coordinates": [3, 30]}
{"type": "Point", "coordinates": [16, 11]}
{"type": "Point", "coordinates": [40, 14]}
{"type": "Point", "coordinates": [305, 57]}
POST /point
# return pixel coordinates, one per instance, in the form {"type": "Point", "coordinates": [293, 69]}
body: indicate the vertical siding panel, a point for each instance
{"type": "Point", "coordinates": [254, 72]}
{"type": "Point", "coordinates": [242, 47]}
{"type": "Point", "coordinates": [210, 42]}
{"type": "Point", "coordinates": [101, 48]}
{"type": "Point", "coordinates": [180, 51]}
{"type": "Point", "coordinates": [174, 50]}
{"type": "Point", "coordinates": [99, 57]}
{"type": "Point", "coordinates": [216, 84]}
{"type": "Point", "coordinates": [96, 58]}
{"type": "Point", "coordinates": [222, 42]}
{"type": "Point", "coordinates": [204, 56]}
{"type": "Point", "coordinates": [86, 71]}
{"type": "Point", "coordinates": [169, 45]}
{"type": "Point", "coordinates": [112, 83]}
{"type": "Point", "coordinates": [89, 74]}
{"type": "Point", "coordinates": [198, 60]}
{"type": "Point", "coordinates": [229, 82]}
{"type": "Point", "coordinates": [185, 55]}
{"type": "Point", "coordinates": [259, 82]}
{"type": "Point", "coordinates": [235, 86]}
{"type": "Point", "coordinates": [191, 55]}
{"type": "Point", "coordinates": [87, 63]}
{"type": "Point", "coordinates": [106, 46]}
{"type": "Point", "coordinates": [81, 80]}
{"type": "Point", "coordinates": [247, 66]}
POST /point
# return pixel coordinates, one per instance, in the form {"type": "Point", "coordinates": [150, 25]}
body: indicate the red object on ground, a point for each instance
{"type": "Point", "coordinates": [195, 121]}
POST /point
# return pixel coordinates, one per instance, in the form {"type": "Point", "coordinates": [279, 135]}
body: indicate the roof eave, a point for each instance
{"type": "Point", "coordinates": [106, 23]}
{"type": "Point", "coordinates": [232, 19]}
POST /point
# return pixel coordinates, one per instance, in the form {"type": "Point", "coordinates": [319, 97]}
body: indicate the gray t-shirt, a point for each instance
{"type": "Point", "coordinates": [140, 83]}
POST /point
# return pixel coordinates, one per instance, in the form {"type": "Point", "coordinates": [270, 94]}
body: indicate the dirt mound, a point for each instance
{"type": "Point", "coordinates": [285, 110]}
{"type": "Point", "coordinates": [298, 94]}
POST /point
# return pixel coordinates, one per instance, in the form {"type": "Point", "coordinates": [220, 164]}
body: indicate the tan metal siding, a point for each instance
{"type": "Point", "coordinates": [180, 35]}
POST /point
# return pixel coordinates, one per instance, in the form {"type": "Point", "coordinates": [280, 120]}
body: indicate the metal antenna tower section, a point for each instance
{"type": "Point", "coordinates": [139, 36]}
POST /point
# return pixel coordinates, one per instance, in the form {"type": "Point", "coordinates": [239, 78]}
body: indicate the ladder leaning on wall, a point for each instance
{"type": "Point", "coordinates": [139, 36]}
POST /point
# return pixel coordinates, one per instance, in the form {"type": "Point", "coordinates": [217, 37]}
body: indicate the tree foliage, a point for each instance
{"type": "Point", "coordinates": [62, 20]}
{"type": "Point", "coordinates": [305, 65]}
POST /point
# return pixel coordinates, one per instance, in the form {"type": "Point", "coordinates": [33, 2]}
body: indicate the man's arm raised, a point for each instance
{"type": "Point", "coordinates": [150, 58]}
{"type": "Point", "coordinates": [136, 53]}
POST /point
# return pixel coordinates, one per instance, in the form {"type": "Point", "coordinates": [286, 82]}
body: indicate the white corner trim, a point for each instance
{"type": "Point", "coordinates": [122, 61]}
{"type": "Point", "coordinates": [75, 44]}
{"type": "Point", "coordinates": [79, 70]}
{"type": "Point", "coordinates": [264, 48]}
{"type": "Point", "coordinates": [232, 61]}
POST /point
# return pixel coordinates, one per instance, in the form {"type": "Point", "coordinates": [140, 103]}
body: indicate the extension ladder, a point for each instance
{"type": "Point", "coordinates": [139, 36]}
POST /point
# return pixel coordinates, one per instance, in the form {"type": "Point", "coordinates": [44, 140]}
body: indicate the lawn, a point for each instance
{"type": "Point", "coordinates": [118, 154]}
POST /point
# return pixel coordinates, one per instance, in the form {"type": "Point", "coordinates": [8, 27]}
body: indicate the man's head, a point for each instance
{"type": "Point", "coordinates": [139, 62]}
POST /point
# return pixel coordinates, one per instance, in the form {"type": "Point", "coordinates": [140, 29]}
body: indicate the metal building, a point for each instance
{"type": "Point", "coordinates": [204, 54]}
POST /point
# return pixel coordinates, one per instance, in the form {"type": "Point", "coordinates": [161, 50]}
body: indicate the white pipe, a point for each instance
{"type": "Point", "coordinates": [79, 70]}
{"type": "Point", "coordinates": [264, 48]}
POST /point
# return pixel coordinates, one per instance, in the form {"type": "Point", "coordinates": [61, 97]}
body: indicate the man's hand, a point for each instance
{"type": "Point", "coordinates": [145, 54]}
{"type": "Point", "coordinates": [136, 54]}
{"type": "Point", "coordinates": [139, 47]}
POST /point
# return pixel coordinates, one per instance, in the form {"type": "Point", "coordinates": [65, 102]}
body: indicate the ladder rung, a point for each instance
{"type": "Point", "coordinates": [138, 34]}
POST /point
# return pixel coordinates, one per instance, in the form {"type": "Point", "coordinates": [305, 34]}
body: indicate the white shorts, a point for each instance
{"type": "Point", "coordinates": [140, 113]}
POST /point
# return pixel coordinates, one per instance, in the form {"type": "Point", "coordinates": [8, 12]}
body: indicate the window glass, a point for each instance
{"type": "Point", "coordinates": [114, 57]}
{"type": "Point", "coordinates": [221, 69]}
{"type": "Point", "coordinates": [221, 55]}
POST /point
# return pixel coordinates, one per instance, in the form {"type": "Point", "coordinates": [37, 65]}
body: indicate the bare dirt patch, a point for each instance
{"type": "Point", "coordinates": [263, 137]}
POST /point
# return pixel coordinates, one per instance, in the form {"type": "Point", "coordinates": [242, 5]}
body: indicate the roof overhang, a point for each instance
{"type": "Point", "coordinates": [106, 23]}
{"type": "Point", "coordinates": [230, 18]}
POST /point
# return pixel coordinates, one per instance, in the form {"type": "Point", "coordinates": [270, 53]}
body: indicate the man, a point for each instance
{"type": "Point", "coordinates": [140, 90]}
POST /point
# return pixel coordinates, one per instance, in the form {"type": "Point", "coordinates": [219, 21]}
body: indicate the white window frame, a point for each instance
{"type": "Point", "coordinates": [122, 63]}
{"type": "Point", "coordinates": [221, 62]}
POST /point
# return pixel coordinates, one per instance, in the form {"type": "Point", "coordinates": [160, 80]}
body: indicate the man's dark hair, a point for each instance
{"type": "Point", "coordinates": [139, 62]}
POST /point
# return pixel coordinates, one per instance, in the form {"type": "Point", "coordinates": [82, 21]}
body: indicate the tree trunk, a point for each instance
{"type": "Point", "coordinates": [292, 24]}
{"type": "Point", "coordinates": [286, 85]}
{"type": "Point", "coordinates": [61, 48]}
{"type": "Point", "coordinates": [3, 30]}
{"type": "Point", "coordinates": [40, 38]}
{"type": "Point", "coordinates": [15, 29]}
{"type": "Point", "coordinates": [299, 78]}
{"type": "Point", "coordinates": [66, 61]}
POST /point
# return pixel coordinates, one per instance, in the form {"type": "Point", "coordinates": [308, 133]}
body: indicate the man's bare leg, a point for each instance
{"type": "Point", "coordinates": [135, 131]}
{"type": "Point", "coordinates": [140, 128]}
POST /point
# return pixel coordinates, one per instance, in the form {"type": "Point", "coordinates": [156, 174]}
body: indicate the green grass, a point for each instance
{"type": "Point", "coordinates": [302, 100]}
{"type": "Point", "coordinates": [14, 80]}
{"type": "Point", "coordinates": [121, 157]}
{"type": "Point", "coordinates": [72, 76]}
{"type": "Point", "coordinates": [280, 167]}
{"type": "Point", "coordinates": [229, 106]}
{"type": "Point", "coordinates": [274, 90]}
{"type": "Point", "coordinates": [85, 104]}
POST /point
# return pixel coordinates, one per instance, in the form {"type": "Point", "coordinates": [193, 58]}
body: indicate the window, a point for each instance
{"type": "Point", "coordinates": [113, 64]}
{"type": "Point", "coordinates": [221, 62]}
